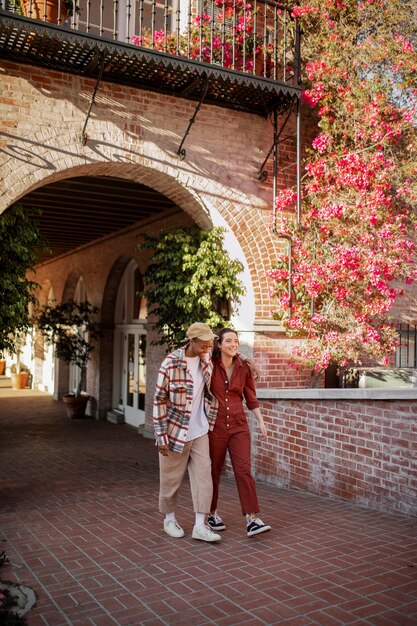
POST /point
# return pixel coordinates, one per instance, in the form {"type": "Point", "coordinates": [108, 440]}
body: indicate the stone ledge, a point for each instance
{"type": "Point", "coordinates": [267, 326]}
{"type": "Point", "coordinates": [337, 394]}
{"type": "Point", "coordinates": [115, 417]}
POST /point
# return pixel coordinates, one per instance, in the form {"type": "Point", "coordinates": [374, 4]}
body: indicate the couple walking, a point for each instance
{"type": "Point", "coordinates": [198, 416]}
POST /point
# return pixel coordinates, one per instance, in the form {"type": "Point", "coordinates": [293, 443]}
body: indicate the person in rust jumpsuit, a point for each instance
{"type": "Point", "coordinates": [231, 382]}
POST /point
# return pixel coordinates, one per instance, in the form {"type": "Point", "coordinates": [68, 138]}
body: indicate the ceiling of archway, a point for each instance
{"type": "Point", "coordinates": [77, 211]}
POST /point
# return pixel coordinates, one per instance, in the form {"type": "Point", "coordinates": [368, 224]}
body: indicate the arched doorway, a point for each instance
{"type": "Point", "coordinates": [130, 347]}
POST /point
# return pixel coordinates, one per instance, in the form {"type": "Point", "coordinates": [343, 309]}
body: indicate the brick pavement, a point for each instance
{"type": "Point", "coordinates": [79, 523]}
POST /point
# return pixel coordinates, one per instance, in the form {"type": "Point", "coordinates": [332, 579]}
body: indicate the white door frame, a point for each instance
{"type": "Point", "coordinates": [130, 376]}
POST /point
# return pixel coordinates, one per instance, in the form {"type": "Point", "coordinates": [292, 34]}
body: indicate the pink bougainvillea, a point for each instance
{"type": "Point", "coordinates": [211, 40]}
{"type": "Point", "coordinates": [356, 243]}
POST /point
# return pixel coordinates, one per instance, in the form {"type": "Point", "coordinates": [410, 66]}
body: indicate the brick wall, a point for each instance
{"type": "Point", "coordinates": [272, 354]}
{"type": "Point", "coordinates": [361, 451]}
{"type": "Point", "coordinates": [135, 134]}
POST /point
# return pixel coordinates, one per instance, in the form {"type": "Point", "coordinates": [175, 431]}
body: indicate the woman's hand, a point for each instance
{"type": "Point", "coordinates": [261, 423]}
{"type": "Point", "coordinates": [264, 432]}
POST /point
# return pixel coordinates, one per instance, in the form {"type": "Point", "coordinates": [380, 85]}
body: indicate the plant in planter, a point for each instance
{"type": "Point", "coordinates": [20, 374]}
{"type": "Point", "coordinates": [72, 328]}
{"type": "Point", "coordinates": [49, 10]}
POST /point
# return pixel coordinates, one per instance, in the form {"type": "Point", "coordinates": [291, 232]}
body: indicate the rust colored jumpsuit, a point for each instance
{"type": "Point", "coordinates": [231, 431]}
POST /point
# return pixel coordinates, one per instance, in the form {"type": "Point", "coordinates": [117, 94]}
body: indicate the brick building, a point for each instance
{"type": "Point", "coordinates": [112, 142]}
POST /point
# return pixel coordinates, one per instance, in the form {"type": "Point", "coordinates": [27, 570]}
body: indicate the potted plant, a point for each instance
{"type": "Point", "coordinates": [71, 327]}
{"type": "Point", "coordinates": [19, 374]}
{"type": "Point", "coordinates": [49, 10]}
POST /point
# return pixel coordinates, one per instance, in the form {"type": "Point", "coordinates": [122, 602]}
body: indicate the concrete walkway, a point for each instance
{"type": "Point", "coordinates": [80, 526]}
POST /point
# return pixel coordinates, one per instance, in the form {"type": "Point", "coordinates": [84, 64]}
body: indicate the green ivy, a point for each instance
{"type": "Point", "coordinates": [191, 278]}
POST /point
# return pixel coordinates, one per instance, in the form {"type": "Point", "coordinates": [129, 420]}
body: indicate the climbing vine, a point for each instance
{"type": "Point", "coordinates": [355, 248]}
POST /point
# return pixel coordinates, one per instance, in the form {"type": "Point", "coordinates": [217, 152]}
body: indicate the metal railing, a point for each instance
{"type": "Point", "coordinates": [406, 351]}
{"type": "Point", "coordinates": [259, 38]}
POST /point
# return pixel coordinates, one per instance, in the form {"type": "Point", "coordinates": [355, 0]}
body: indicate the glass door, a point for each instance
{"type": "Point", "coordinates": [134, 377]}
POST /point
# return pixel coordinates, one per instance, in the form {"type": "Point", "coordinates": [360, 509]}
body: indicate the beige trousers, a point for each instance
{"type": "Point", "coordinates": [195, 458]}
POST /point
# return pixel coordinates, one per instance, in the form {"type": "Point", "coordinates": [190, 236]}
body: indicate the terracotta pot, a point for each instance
{"type": "Point", "coordinates": [76, 405]}
{"type": "Point", "coordinates": [19, 380]}
{"type": "Point", "coordinates": [2, 366]}
{"type": "Point", "coordinates": [45, 10]}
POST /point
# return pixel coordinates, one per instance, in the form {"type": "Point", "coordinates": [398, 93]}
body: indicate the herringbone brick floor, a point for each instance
{"type": "Point", "coordinates": [79, 524]}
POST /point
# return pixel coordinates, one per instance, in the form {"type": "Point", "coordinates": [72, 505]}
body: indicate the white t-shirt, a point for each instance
{"type": "Point", "coordinates": [198, 421]}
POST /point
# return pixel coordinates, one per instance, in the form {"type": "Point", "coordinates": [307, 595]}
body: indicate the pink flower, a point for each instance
{"type": "Point", "coordinates": [320, 142]}
{"type": "Point", "coordinates": [300, 11]}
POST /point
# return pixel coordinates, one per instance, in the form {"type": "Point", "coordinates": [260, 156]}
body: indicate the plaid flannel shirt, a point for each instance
{"type": "Point", "coordinates": [173, 399]}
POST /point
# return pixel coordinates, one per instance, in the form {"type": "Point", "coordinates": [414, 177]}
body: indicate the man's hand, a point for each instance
{"type": "Point", "coordinates": [164, 450]}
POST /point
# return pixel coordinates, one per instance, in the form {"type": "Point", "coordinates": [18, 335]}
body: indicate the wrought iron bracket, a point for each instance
{"type": "Point", "coordinates": [181, 151]}
{"type": "Point", "coordinates": [101, 61]}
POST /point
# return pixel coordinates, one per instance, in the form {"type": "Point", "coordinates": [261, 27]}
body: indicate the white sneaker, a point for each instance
{"type": "Point", "coordinates": [205, 533]}
{"type": "Point", "coordinates": [173, 529]}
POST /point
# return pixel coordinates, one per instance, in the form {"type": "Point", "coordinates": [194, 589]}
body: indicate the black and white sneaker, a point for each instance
{"type": "Point", "coordinates": [215, 522]}
{"type": "Point", "coordinates": [256, 527]}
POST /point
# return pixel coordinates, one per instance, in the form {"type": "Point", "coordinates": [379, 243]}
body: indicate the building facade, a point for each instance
{"type": "Point", "coordinates": [168, 159]}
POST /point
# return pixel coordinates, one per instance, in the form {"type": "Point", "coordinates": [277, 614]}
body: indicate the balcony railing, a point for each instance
{"type": "Point", "coordinates": [229, 53]}
{"type": "Point", "coordinates": [260, 38]}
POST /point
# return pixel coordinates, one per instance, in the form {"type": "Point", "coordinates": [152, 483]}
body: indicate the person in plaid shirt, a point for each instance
{"type": "Point", "coordinates": [184, 412]}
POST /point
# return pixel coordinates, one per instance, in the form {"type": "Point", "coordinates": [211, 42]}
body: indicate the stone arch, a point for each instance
{"type": "Point", "coordinates": [62, 372]}
{"type": "Point", "coordinates": [60, 155]}
{"type": "Point", "coordinates": [108, 306]}
{"type": "Point", "coordinates": [42, 350]}
{"type": "Point", "coordinates": [106, 354]}
{"type": "Point", "coordinates": [71, 284]}
{"type": "Point", "coordinates": [165, 179]}
{"type": "Point", "coordinates": [110, 290]}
